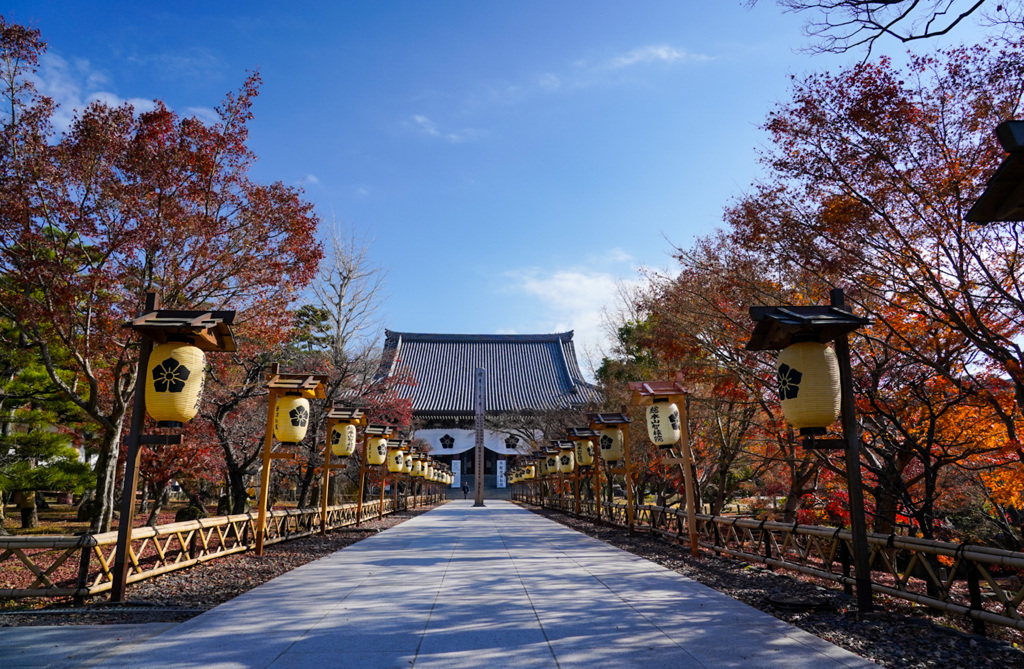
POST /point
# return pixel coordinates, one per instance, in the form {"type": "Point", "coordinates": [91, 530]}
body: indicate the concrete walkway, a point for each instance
{"type": "Point", "coordinates": [490, 587]}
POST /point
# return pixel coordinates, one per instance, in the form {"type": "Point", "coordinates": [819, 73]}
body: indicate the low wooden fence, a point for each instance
{"type": "Point", "coordinates": [80, 566]}
{"type": "Point", "coordinates": [985, 585]}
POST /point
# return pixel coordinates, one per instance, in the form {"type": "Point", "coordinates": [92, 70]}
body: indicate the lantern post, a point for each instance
{"type": "Point", "coordinates": [654, 394]}
{"type": "Point", "coordinates": [781, 327]}
{"type": "Point", "coordinates": [303, 387]}
{"type": "Point", "coordinates": [582, 438]}
{"type": "Point", "coordinates": [204, 330]}
{"type": "Point", "coordinates": [396, 465]}
{"type": "Point", "coordinates": [336, 417]}
{"type": "Point", "coordinates": [605, 422]}
{"type": "Point", "coordinates": [377, 432]}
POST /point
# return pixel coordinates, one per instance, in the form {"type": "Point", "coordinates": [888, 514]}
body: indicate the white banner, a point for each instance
{"type": "Point", "coordinates": [501, 473]}
{"type": "Point", "coordinates": [456, 473]}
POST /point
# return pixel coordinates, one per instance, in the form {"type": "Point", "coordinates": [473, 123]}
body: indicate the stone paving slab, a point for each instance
{"type": "Point", "coordinates": [476, 587]}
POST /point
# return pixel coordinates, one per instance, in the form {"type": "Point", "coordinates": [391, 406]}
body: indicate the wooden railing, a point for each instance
{"type": "Point", "coordinates": [80, 566]}
{"type": "Point", "coordinates": [985, 585]}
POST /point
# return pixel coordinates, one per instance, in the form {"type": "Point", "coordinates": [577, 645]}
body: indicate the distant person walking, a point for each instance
{"type": "Point", "coordinates": [465, 491]}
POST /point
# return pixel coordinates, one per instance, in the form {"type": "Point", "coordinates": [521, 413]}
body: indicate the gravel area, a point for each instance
{"type": "Point", "coordinates": [903, 635]}
{"type": "Point", "coordinates": [180, 595]}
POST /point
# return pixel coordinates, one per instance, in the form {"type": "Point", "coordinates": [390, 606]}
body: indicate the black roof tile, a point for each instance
{"type": "Point", "coordinates": [523, 371]}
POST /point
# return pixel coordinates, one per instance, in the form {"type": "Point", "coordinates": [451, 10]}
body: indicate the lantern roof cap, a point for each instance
{"type": "Point", "coordinates": [778, 327]}
{"type": "Point", "coordinates": [346, 415]}
{"type": "Point", "coordinates": [581, 433]}
{"type": "Point", "coordinates": [645, 392]}
{"type": "Point", "coordinates": [608, 419]}
{"type": "Point", "coordinates": [400, 444]}
{"type": "Point", "coordinates": [379, 430]}
{"type": "Point", "coordinates": [309, 385]}
{"type": "Point", "coordinates": [1002, 199]}
{"type": "Point", "coordinates": [562, 444]}
{"type": "Point", "coordinates": [209, 330]}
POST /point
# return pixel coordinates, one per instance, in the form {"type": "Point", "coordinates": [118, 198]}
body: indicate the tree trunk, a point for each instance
{"type": "Point", "coordinates": [143, 497]}
{"type": "Point", "coordinates": [161, 495]}
{"type": "Point", "coordinates": [29, 515]}
{"type": "Point", "coordinates": [236, 488]}
{"type": "Point", "coordinates": [106, 479]}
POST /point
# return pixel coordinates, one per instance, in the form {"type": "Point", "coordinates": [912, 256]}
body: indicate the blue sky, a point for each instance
{"type": "Point", "coordinates": [511, 161]}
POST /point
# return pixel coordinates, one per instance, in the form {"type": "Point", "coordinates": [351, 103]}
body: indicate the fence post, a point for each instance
{"type": "Point", "coordinates": [82, 582]}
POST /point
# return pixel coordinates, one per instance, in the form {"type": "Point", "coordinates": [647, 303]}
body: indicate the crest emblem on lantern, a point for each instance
{"type": "Point", "coordinates": [447, 441]}
{"type": "Point", "coordinates": [789, 382]}
{"type": "Point", "coordinates": [170, 376]}
{"type": "Point", "coordinates": [335, 437]}
{"type": "Point", "coordinates": [299, 416]}
{"type": "Point", "coordinates": [566, 460]}
{"type": "Point", "coordinates": [606, 442]}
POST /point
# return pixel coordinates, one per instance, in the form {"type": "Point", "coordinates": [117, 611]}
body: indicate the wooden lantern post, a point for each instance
{"type": "Point", "coordinates": [385, 432]}
{"type": "Point", "coordinates": [208, 331]}
{"type": "Point", "coordinates": [310, 386]}
{"type": "Point", "coordinates": [604, 421]}
{"type": "Point", "coordinates": [578, 435]}
{"type": "Point", "coordinates": [336, 416]}
{"type": "Point", "coordinates": [777, 328]}
{"type": "Point", "coordinates": [645, 394]}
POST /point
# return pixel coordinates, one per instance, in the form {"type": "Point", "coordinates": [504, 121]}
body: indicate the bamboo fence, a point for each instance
{"type": "Point", "coordinates": [80, 566]}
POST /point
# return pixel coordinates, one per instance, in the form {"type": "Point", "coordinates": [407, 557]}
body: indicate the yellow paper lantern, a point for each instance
{"type": "Point", "coordinates": [808, 375]}
{"type": "Point", "coordinates": [663, 424]}
{"type": "Point", "coordinates": [343, 440]}
{"type": "Point", "coordinates": [585, 453]}
{"type": "Point", "coordinates": [611, 444]}
{"type": "Point", "coordinates": [291, 418]}
{"type": "Point", "coordinates": [174, 385]}
{"type": "Point", "coordinates": [376, 451]}
{"type": "Point", "coordinates": [566, 462]}
{"type": "Point", "coordinates": [551, 463]}
{"type": "Point", "coordinates": [417, 467]}
{"type": "Point", "coordinates": [531, 472]}
{"type": "Point", "coordinates": [396, 461]}
{"type": "Point", "coordinates": [407, 466]}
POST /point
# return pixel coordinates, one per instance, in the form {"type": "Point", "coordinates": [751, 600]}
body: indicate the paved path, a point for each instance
{"type": "Point", "coordinates": [490, 587]}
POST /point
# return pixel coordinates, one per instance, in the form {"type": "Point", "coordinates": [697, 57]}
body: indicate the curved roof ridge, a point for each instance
{"type": "Point", "coordinates": [428, 336]}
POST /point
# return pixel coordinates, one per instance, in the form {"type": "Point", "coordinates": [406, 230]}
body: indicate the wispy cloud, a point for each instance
{"type": "Point", "coordinates": [74, 84]}
{"type": "Point", "coordinates": [657, 53]}
{"type": "Point", "coordinates": [576, 298]}
{"type": "Point", "coordinates": [425, 126]}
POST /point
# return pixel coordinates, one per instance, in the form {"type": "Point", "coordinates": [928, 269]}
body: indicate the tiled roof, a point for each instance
{"type": "Point", "coordinates": [523, 371]}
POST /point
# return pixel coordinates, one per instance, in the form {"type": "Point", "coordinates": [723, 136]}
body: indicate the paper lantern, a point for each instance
{"type": "Point", "coordinates": [585, 453]}
{"type": "Point", "coordinates": [808, 374]}
{"type": "Point", "coordinates": [291, 418]}
{"type": "Point", "coordinates": [566, 462]}
{"type": "Point", "coordinates": [396, 461]}
{"type": "Point", "coordinates": [663, 424]}
{"type": "Point", "coordinates": [343, 440]}
{"type": "Point", "coordinates": [376, 451]}
{"type": "Point", "coordinates": [417, 467]}
{"type": "Point", "coordinates": [551, 463]}
{"type": "Point", "coordinates": [407, 466]}
{"type": "Point", "coordinates": [531, 472]}
{"type": "Point", "coordinates": [175, 383]}
{"type": "Point", "coordinates": [611, 444]}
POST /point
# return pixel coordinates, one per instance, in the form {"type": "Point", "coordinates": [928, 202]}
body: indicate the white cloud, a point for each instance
{"type": "Point", "coordinates": [204, 114]}
{"type": "Point", "coordinates": [425, 126]}
{"type": "Point", "coordinates": [660, 53]}
{"type": "Point", "coordinates": [73, 84]}
{"type": "Point", "coordinates": [575, 298]}
{"type": "Point", "coordinates": [311, 179]}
